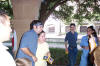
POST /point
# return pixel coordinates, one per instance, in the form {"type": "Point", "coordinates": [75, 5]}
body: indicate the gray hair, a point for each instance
{"type": "Point", "coordinates": [3, 18]}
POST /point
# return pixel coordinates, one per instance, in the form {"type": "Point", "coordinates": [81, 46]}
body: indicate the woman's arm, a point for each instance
{"type": "Point", "coordinates": [85, 47]}
{"type": "Point", "coordinates": [48, 54]}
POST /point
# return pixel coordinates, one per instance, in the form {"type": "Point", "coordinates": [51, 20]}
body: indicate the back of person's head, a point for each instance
{"type": "Point", "coordinates": [36, 23]}
{"type": "Point", "coordinates": [23, 62]}
{"type": "Point", "coordinates": [3, 17]}
{"type": "Point", "coordinates": [5, 28]}
{"type": "Point", "coordinates": [72, 24]}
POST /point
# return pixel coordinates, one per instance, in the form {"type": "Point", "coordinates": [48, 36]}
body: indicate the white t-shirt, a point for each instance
{"type": "Point", "coordinates": [5, 58]}
{"type": "Point", "coordinates": [42, 50]}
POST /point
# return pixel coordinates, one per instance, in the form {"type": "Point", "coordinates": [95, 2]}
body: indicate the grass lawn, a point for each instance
{"type": "Point", "coordinates": [60, 58]}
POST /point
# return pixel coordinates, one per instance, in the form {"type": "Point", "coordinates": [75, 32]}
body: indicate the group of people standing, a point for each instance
{"type": "Point", "coordinates": [88, 44]}
{"type": "Point", "coordinates": [33, 47]}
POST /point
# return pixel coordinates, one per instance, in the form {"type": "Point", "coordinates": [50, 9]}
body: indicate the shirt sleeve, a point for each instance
{"type": "Point", "coordinates": [76, 35]}
{"type": "Point", "coordinates": [66, 37]}
{"type": "Point", "coordinates": [96, 40]}
{"type": "Point", "coordinates": [82, 42]}
{"type": "Point", "coordinates": [46, 47]}
{"type": "Point", "coordinates": [25, 41]}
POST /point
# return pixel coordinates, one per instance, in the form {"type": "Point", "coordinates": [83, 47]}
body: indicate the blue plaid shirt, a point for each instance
{"type": "Point", "coordinates": [71, 38]}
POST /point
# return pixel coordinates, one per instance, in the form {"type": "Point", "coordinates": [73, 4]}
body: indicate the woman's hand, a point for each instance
{"type": "Point", "coordinates": [85, 47]}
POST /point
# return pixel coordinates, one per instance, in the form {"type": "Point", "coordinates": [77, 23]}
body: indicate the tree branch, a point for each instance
{"type": "Point", "coordinates": [60, 2]}
{"type": "Point", "coordinates": [45, 13]}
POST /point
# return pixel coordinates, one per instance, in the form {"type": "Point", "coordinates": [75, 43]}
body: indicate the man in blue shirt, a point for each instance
{"type": "Point", "coordinates": [28, 45]}
{"type": "Point", "coordinates": [71, 38]}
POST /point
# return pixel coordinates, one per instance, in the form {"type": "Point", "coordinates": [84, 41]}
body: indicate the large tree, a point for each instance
{"type": "Point", "coordinates": [47, 8]}
{"type": "Point", "coordinates": [5, 5]}
{"type": "Point", "coordinates": [86, 9]}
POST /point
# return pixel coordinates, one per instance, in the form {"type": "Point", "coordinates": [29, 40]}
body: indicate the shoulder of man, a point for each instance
{"type": "Point", "coordinates": [68, 33]}
{"type": "Point", "coordinates": [28, 32]}
{"type": "Point", "coordinates": [76, 33]}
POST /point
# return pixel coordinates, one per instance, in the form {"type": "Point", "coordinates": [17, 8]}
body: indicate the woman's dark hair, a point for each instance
{"type": "Point", "coordinates": [94, 32]}
{"type": "Point", "coordinates": [40, 33]}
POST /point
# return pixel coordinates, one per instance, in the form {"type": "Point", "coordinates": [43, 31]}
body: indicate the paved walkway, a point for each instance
{"type": "Point", "coordinates": [61, 46]}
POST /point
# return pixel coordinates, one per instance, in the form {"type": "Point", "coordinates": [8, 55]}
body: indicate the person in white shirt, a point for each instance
{"type": "Point", "coordinates": [42, 50]}
{"type": "Point", "coordinates": [5, 58]}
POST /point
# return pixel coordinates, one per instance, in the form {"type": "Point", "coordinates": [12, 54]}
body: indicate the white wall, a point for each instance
{"type": "Point", "coordinates": [52, 21]}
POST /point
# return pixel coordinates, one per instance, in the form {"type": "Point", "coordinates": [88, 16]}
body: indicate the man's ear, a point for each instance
{"type": "Point", "coordinates": [34, 27]}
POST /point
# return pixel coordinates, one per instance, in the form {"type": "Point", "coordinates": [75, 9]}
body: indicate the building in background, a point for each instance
{"type": "Point", "coordinates": [55, 27]}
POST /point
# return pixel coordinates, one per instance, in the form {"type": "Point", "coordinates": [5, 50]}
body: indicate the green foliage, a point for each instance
{"type": "Point", "coordinates": [64, 13]}
{"type": "Point", "coordinates": [6, 6]}
{"type": "Point", "coordinates": [51, 4]}
{"type": "Point", "coordinates": [87, 10]}
{"type": "Point", "coordinates": [92, 14]}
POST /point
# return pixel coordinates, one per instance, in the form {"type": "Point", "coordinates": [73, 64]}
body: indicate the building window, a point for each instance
{"type": "Point", "coordinates": [51, 29]}
{"type": "Point", "coordinates": [83, 28]}
{"type": "Point", "coordinates": [67, 28]}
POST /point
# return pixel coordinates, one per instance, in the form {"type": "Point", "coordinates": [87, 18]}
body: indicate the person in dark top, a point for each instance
{"type": "Point", "coordinates": [71, 39]}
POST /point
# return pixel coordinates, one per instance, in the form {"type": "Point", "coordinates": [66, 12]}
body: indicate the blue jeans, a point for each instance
{"type": "Point", "coordinates": [72, 55]}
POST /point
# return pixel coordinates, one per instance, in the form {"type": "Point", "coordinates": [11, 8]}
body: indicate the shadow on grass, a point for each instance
{"type": "Point", "coordinates": [60, 58]}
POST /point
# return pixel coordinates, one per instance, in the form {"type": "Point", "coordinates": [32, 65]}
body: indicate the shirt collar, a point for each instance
{"type": "Point", "coordinates": [33, 31]}
{"type": "Point", "coordinates": [72, 33]}
{"type": "Point", "coordinates": [2, 47]}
